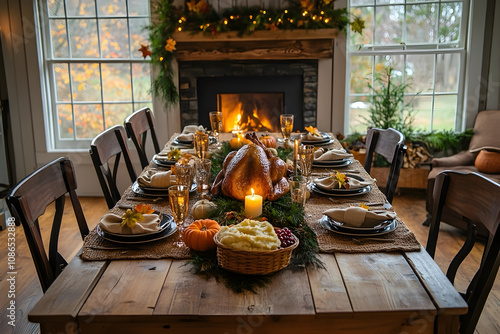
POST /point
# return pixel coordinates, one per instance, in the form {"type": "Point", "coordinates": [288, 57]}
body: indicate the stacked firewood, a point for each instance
{"type": "Point", "coordinates": [415, 155]}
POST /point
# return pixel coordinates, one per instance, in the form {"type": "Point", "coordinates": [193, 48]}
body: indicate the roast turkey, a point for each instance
{"type": "Point", "coordinates": [253, 166]}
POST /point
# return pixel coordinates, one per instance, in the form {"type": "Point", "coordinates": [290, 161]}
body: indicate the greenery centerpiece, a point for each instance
{"type": "Point", "coordinates": [199, 16]}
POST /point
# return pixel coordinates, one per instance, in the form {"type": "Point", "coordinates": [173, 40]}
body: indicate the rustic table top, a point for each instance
{"type": "Point", "coordinates": [376, 292]}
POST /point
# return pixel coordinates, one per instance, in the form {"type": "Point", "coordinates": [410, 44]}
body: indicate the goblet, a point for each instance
{"type": "Point", "coordinates": [216, 124]}
{"type": "Point", "coordinates": [298, 189]}
{"type": "Point", "coordinates": [200, 140]}
{"type": "Point", "coordinates": [306, 157]}
{"type": "Point", "coordinates": [286, 123]}
{"type": "Point", "coordinates": [203, 176]}
{"type": "Point", "coordinates": [178, 197]}
{"type": "Point", "coordinates": [184, 174]}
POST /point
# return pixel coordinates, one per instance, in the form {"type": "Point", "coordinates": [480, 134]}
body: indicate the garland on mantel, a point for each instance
{"type": "Point", "coordinates": [199, 16]}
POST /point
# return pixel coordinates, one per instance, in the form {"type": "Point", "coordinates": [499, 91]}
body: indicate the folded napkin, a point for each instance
{"type": "Point", "coordinates": [329, 155]}
{"type": "Point", "coordinates": [111, 223]}
{"type": "Point", "coordinates": [188, 131]}
{"type": "Point", "coordinates": [162, 155]}
{"type": "Point", "coordinates": [330, 183]}
{"type": "Point", "coordinates": [359, 217]}
{"type": "Point", "coordinates": [309, 136]}
{"type": "Point", "coordinates": [155, 179]}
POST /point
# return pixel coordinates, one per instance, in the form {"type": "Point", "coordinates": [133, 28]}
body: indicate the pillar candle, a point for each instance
{"type": "Point", "coordinates": [295, 155]}
{"type": "Point", "coordinates": [253, 205]}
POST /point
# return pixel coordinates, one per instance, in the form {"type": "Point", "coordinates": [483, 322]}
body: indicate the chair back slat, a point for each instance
{"type": "Point", "coordinates": [476, 199]}
{"type": "Point", "coordinates": [137, 125]}
{"type": "Point", "coordinates": [389, 143]}
{"type": "Point", "coordinates": [29, 200]}
{"type": "Point", "coordinates": [110, 145]}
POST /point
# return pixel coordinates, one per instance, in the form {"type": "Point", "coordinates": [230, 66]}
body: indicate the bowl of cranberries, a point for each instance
{"type": "Point", "coordinates": [286, 237]}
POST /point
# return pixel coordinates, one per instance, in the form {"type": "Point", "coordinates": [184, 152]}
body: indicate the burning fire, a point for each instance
{"type": "Point", "coordinates": [248, 113]}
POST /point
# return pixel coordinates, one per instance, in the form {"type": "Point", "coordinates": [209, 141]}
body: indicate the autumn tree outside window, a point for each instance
{"type": "Point", "coordinates": [95, 73]}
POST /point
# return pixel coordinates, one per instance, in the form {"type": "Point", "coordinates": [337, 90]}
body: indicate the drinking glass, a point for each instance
{"type": "Point", "coordinates": [306, 157]}
{"type": "Point", "coordinates": [184, 174]}
{"type": "Point", "coordinates": [298, 189]}
{"type": "Point", "coordinates": [178, 197]}
{"type": "Point", "coordinates": [200, 140]}
{"type": "Point", "coordinates": [216, 124]}
{"type": "Point", "coordinates": [286, 123]}
{"type": "Point", "coordinates": [203, 176]}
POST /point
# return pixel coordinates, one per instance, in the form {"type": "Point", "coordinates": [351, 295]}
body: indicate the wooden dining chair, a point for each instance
{"type": "Point", "coordinates": [28, 201]}
{"type": "Point", "coordinates": [477, 200]}
{"type": "Point", "coordinates": [389, 143]}
{"type": "Point", "coordinates": [108, 147]}
{"type": "Point", "coordinates": [137, 125]}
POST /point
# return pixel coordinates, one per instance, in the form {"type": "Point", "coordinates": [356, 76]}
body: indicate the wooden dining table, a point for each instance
{"type": "Point", "coordinates": [355, 292]}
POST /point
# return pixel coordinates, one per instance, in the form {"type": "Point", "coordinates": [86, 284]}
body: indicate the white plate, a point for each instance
{"type": "Point", "coordinates": [168, 228]}
{"type": "Point", "coordinates": [325, 222]}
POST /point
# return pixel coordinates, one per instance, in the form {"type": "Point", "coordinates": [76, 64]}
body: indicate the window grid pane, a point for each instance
{"type": "Point", "coordinates": [422, 41]}
{"type": "Point", "coordinates": [97, 75]}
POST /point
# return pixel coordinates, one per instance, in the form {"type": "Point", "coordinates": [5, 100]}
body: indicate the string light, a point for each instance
{"type": "Point", "coordinates": [179, 29]}
{"type": "Point", "coordinates": [327, 20]}
{"type": "Point", "coordinates": [161, 58]}
{"type": "Point", "coordinates": [304, 13]}
{"type": "Point", "coordinates": [225, 21]}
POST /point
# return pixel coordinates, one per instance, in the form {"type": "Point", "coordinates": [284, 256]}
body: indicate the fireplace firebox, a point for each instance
{"type": "Point", "coordinates": [251, 103]}
{"type": "Point", "coordinates": [253, 93]}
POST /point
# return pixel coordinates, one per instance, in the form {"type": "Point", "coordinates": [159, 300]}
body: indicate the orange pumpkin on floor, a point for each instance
{"type": "Point", "coordinates": [199, 236]}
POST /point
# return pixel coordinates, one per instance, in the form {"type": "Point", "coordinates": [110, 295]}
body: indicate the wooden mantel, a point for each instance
{"type": "Point", "coordinates": [269, 45]}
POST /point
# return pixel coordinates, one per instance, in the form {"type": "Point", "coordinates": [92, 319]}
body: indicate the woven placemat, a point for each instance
{"type": "Point", "coordinates": [402, 239]}
{"type": "Point", "coordinates": [97, 248]}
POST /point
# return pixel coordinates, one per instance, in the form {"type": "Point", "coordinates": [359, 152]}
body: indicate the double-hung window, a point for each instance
{"type": "Point", "coordinates": [424, 41]}
{"type": "Point", "coordinates": [95, 75]}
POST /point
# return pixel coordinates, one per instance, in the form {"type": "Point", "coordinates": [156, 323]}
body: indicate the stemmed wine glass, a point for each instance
{"type": "Point", "coordinates": [200, 141]}
{"type": "Point", "coordinates": [178, 197]}
{"type": "Point", "coordinates": [306, 157]}
{"type": "Point", "coordinates": [203, 176]}
{"type": "Point", "coordinates": [286, 123]}
{"type": "Point", "coordinates": [216, 124]}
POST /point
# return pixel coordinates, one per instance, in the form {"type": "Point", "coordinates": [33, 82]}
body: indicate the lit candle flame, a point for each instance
{"type": "Point", "coordinates": [253, 193]}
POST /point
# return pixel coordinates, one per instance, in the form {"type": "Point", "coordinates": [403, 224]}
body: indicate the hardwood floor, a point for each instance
{"type": "Point", "coordinates": [409, 204]}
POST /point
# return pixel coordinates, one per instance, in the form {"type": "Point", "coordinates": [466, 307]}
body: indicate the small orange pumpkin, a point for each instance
{"type": "Point", "coordinates": [268, 141]}
{"type": "Point", "coordinates": [488, 162]}
{"type": "Point", "coordinates": [199, 236]}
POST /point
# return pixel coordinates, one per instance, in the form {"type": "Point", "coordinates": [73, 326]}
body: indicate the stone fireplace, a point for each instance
{"type": "Point", "coordinates": [259, 90]}
{"type": "Point", "coordinates": [253, 79]}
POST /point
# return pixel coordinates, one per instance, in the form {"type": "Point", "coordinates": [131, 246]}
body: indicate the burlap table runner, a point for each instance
{"type": "Point", "coordinates": [402, 239]}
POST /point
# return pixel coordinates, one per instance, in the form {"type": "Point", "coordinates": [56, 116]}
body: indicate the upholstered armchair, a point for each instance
{"type": "Point", "coordinates": [486, 137]}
